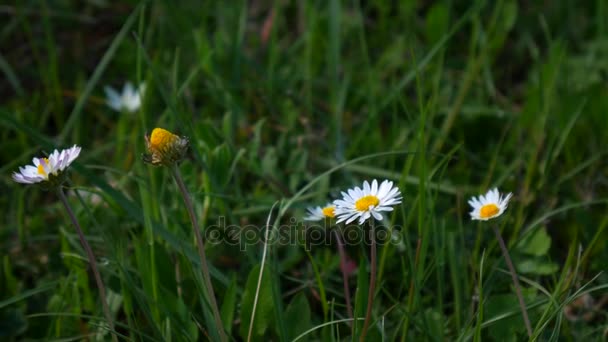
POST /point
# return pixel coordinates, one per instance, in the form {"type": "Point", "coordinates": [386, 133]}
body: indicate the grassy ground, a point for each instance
{"type": "Point", "coordinates": [277, 98]}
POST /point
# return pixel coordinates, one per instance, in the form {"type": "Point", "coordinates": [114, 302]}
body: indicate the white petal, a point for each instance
{"type": "Point", "coordinates": [351, 218]}
{"type": "Point", "coordinates": [128, 90]}
{"type": "Point", "coordinates": [385, 187]}
{"type": "Point", "coordinates": [507, 198]}
{"type": "Point", "coordinates": [374, 190]}
{"type": "Point", "coordinates": [366, 187]}
{"type": "Point", "coordinates": [74, 153]}
{"type": "Point", "coordinates": [377, 215]}
{"type": "Point", "coordinates": [112, 98]}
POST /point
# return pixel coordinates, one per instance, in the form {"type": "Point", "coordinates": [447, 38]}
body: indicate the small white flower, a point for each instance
{"type": "Point", "coordinates": [129, 100]}
{"type": "Point", "coordinates": [321, 213]}
{"type": "Point", "coordinates": [44, 167]}
{"type": "Point", "coordinates": [492, 205]}
{"type": "Point", "coordinates": [367, 202]}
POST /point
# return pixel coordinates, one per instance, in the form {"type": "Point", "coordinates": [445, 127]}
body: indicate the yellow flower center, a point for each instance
{"type": "Point", "coordinates": [161, 139]}
{"type": "Point", "coordinates": [41, 170]}
{"type": "Point", "coordinates": [365, 202]}
{"type": "Point", "coordinates": [329, 211]}
{"type": "Point", "coordinates": [488, 210]}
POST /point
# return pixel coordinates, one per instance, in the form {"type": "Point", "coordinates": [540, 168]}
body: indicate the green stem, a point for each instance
{"type": "Point", "coordinates": [201, 252]}
{"type": "Point", "coordinates": [92, 262]}
{"type": "Point", "coordinates": [372, 283]}
{"type": "Point", "coordinates": [349, 308]}
{"type": "Point", "coordinates": [520, 298]}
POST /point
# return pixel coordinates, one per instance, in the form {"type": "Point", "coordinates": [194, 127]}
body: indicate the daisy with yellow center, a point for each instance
{"type": "Point", "coordinates": [44, 168]}
{"type": "Point", "coordinates": [370, 201]}
{"type": "Point", "coordinates": [321, 213]}
{"type": "Point", "coordinates": [492, 205]}
{"type": "Point", "coordinates": [165, 148]}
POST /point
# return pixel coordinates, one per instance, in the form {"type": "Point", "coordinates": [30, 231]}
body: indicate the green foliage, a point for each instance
{"type": "Point", "coordinates": [264, 312]}
{"type": "Point", "coordinates": [297, 316]}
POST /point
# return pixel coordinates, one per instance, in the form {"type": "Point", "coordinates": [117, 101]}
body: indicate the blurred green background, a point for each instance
{"type": "Point", "coordinates": [272, 94]}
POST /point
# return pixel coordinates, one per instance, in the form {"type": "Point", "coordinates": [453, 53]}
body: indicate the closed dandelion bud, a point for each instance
{"type": "Point", "coordinates": [165, 148]}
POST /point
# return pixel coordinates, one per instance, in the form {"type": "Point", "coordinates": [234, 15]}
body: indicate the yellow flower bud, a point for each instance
{"type": "Point", "coordinates": [165, 148]}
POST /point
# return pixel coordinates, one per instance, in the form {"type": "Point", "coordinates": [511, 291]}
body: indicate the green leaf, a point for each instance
{"type": "Point", "coordinates": [437, 21]}
{"type": "Point", "coordinates": [270, 162]}
{"type": "Point", "coordinates": [361, 295]}
{"type": "Point", "coordinates": [297, 316]}
{"type": "Point", "coordinates": [263, 314]}
{"type": "Point", "coordinates": [229, 305]}
{"type": "Point", "coordinates": [507, 328]}
{"type": "Point", "coordinates": [509, 16]}
{"type": "Point", "coordinates": [220, 160]}
{"type": "Point", "coordinates": [537, 243]}
{"type": "Point", "coordinates": [8, 282]}
{"type": "Point", "coordinates": [434, 321]}
{"type": "Point", "coordinates": [537, 266]}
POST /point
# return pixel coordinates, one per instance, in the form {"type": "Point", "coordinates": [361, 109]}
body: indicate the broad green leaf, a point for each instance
{"type": "Point", "coordinates": [507, 328]}
{"type": "Point", "coordinates": [297, 316]}
{"type": "Point", "coordinates": [536, 244]}
{"type": "Point", "coordinates": [264, 311]}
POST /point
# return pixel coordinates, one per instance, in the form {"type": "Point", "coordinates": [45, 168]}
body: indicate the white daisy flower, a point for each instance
{"type": "Point", "coordinates": [321, 213]}
{"type": "Point", "coordinates": [492, 205]}
{"type": "Point", "coordinates": [367, 202]}
{"type": "Point", "coordinates": [45, 167]}
{"type": "Point", "coordinates": [129, 100]}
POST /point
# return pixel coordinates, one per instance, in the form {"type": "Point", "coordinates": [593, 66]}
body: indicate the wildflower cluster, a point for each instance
{"type": "Point", "coordinates": [362, 203]}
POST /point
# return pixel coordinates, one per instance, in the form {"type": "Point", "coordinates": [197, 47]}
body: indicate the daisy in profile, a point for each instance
{"type": "Point", "coordinates": [47, 169]}
{"type": "Point", "coordinates": [492, 205]}
{"type": "Point", "coordinates": [129, 100]}
{"type": "Point", "coordinates": [364, 203]}
{"type": "Point", "coordinates": [321, 213]}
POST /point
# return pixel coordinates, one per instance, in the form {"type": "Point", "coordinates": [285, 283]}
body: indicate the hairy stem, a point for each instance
{"type": "Point", "coordinates": [201, 252]}
{"type": "Point", "coordinates": [522, 305]}
{"type": "Point", "coordinates": [372, 283]}
{"type": "Point", "coordinates": [92, 262]}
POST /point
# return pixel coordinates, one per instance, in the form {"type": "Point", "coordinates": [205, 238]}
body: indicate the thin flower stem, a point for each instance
{"type": "Point", "coordinates": [372, 283]}
{"type": "Point", "coordinates": [349, 308]}
{"type": "Point", "coordinates": [201, 252]}
{"type": "Point", "coordinates": [92, 262]}
{"type": "Point", "coordinates": [522, 304]}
